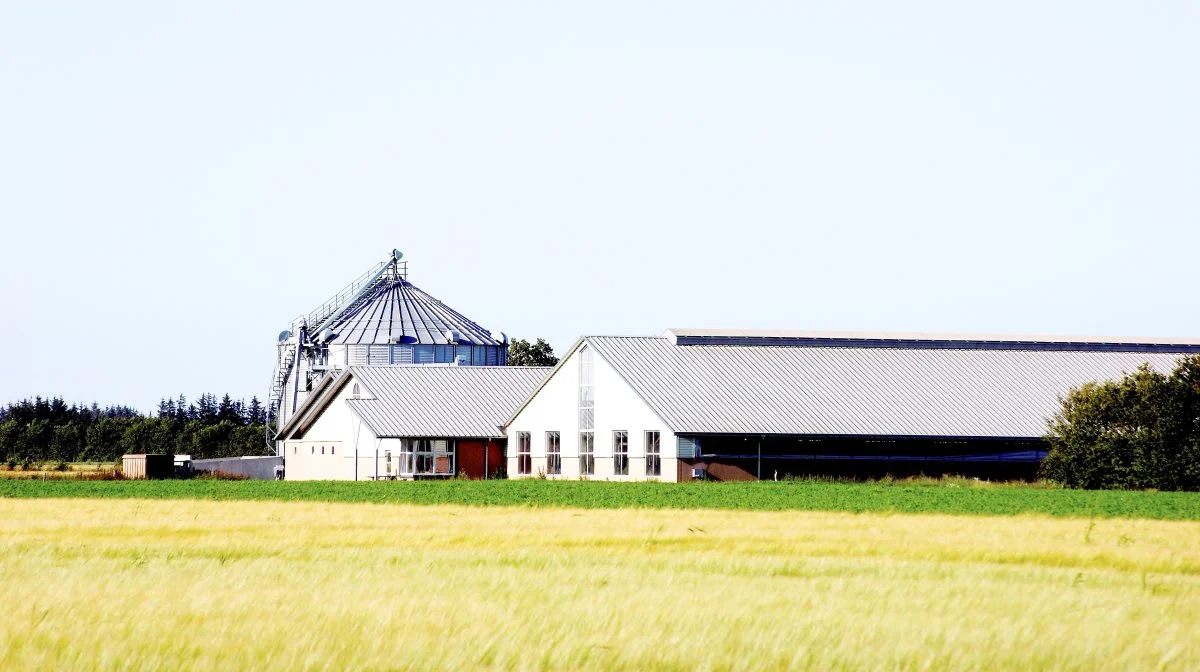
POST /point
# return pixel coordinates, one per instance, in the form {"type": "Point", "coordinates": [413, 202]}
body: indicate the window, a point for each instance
{"type": "Point", "coordinates": [587, 399]}
{"type": "Point", "coordinates": [422, 456]}
{"type": "Point", "coordinates": [653, 454]}
{"type": "Point", "coordinates": [443, 457]}
{"type": "Point", "coordinates": [587, 413]}
{"type": "Point", "coordinates": [331, 449]}
{"type": "Point", "coordinates": [322, 450]}
{"type": "Point", "coordinates": [293, 450]}
{"type": "Point", "coordinates": [587, 455]}
{"type": "Point", "coordinates": [355, 391]}
{"type": "Point", "coordinates": [314, 450]}
{"type": "Point", "coordinates": [404, 459]}
{"type": "Point", "coordinates": [553, 454]}
{"type": "Point", "coordinates": [620, 453]}
{"type": "Point", "coordinates": [426, 457]}
{"type": "Point", "coordinates": [524, 459]}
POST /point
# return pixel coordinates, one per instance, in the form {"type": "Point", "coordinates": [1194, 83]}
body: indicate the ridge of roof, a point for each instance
{"type": "Point", "coordinates": [679, 336]}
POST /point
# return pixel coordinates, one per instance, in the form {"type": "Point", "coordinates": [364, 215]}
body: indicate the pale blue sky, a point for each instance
{"type": "Point", "coordinates": [179, 180]}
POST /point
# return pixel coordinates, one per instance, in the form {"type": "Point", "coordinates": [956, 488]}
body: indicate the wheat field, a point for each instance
{"type": "Point", "coordinates": [157, 584]}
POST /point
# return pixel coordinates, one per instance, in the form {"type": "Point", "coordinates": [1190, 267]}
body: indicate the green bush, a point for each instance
{"type": "Point", "coordinates": [1140, 432]}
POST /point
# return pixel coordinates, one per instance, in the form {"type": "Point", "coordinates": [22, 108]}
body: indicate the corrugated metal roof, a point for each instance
{"type": "Point", "coordinates": [442, 401]}
{"type": "Point", "coordinates": [398, 312]}
{"type": "Point", "coordinates": [857, 391]}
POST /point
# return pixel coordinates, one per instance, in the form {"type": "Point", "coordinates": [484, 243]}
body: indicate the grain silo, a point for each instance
{"type": "Point", "coordinates": [380, 319]}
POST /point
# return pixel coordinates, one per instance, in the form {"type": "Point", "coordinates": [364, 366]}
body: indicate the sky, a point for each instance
{"type": "Point", "coordinates": [179, 180]}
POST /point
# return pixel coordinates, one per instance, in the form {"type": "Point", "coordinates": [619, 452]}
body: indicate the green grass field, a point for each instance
{"type": "Point", "coordinates": [314, 585]}
{"type": "Point", "coordinates": [951, 496]}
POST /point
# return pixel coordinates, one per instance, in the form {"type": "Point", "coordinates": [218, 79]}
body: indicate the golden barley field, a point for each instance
{"type": "Point", "coordinates": [141, 584]}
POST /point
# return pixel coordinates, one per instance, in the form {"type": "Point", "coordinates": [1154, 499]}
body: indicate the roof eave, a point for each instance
{"type": "Point", "coordinates": [314, 400]}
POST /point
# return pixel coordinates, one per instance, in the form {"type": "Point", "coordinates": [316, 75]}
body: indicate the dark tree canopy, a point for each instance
{"type": "Point", "coordinates": [48, 430]}
{"type": "Point", "coordinates": [522, 353]}
{"type": "Point", "coordinates": [1142, 431]}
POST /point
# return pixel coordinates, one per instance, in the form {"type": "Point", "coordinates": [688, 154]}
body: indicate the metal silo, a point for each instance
{"type": "Point", "coordinates": [380, 319]}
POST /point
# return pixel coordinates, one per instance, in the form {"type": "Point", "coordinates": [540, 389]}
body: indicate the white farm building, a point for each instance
{"type": "Point", "coordinates": [735, 405]}
{"type": "Point", "coordinates": [405, 422]}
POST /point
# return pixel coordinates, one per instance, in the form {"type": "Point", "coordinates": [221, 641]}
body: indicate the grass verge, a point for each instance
{"type": "Point", "coordinates": [954, 496]}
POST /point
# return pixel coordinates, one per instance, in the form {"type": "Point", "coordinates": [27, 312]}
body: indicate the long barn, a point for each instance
{"type": "Point", "coordinates": [738, 405]}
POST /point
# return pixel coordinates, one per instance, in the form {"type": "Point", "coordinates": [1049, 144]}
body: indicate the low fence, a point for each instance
{"type": "Point", "coordinates": [258, 468]}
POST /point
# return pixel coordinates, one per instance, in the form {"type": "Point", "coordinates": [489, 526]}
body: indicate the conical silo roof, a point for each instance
{"type": "Point", "coordinates": [396, 311]}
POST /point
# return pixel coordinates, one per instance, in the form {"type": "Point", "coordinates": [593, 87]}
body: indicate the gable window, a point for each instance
{"type": "Point", "coordinates": [553, 454]}
{"type": "Point", "coordinates": [524, 457]}
{"type": "Point", "coordinates": [587, 413]}
{"type": "Point", "coordinates": [653, 454]}
{"type": "Point", "coordinates": [587, 399]}
{"type": "Point", "coordinates": [620, 453]}
{"type": "Point", "coordinates": [355, 391]}
{"type": "Point", "coordinates": [587, 455]}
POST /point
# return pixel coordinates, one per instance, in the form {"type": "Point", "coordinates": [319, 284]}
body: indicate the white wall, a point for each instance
{"type": "Point", "coordinates": [328, 449]}
{"type": "Point", "coordinates": [618, 407]}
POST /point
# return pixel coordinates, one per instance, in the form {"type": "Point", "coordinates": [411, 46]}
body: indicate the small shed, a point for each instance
{"type": "Point", "coordinates": [143, 465]}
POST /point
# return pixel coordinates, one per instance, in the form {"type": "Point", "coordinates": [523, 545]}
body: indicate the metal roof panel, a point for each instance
{"type": "Point", "coordinates": [442, 401]}
{"type": "Point", "coordinates": [858, 391]}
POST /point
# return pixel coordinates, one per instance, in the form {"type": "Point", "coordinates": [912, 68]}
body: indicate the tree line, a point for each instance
{"type": "Point", "coordinates": [50, 431]}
